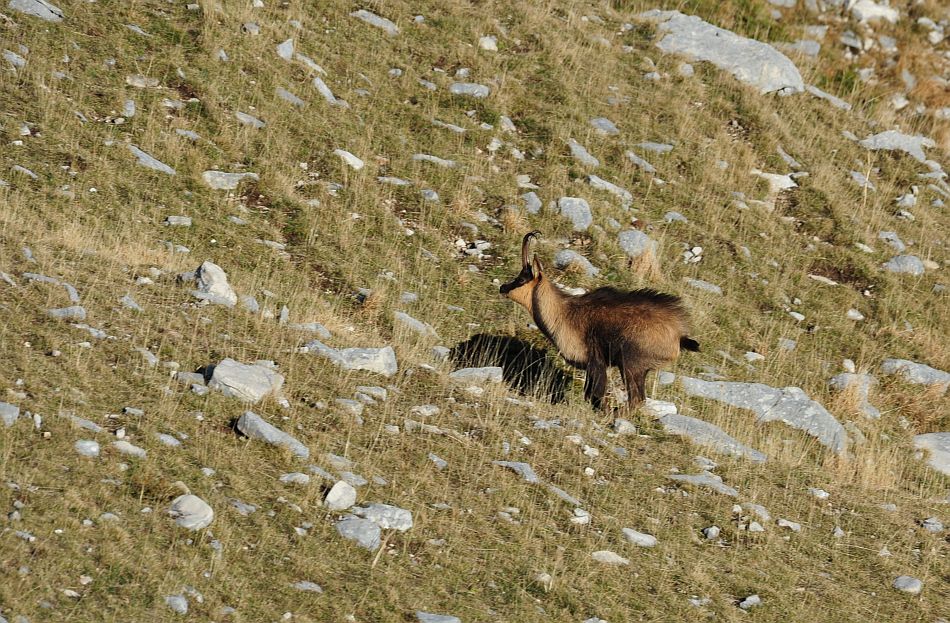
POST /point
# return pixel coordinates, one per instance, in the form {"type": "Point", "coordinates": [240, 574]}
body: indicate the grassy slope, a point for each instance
{"type": "Point", "coordinates": [550, 76]}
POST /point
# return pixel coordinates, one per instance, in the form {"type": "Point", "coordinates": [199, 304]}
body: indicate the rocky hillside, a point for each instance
{"type": "Point", "coordinates": [238, 241]}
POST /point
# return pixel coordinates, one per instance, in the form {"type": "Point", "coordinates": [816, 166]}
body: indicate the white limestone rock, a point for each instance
{"type": "Point", "coordinates": [576, 210]}
{"type": "Point", "coordinates": [38, 8]}
{"type": "Point", "coordinates": [707, 434]}
{"type": "Point", "coordinates": [340, 497]}
{"type": "Point", "coordinates": [566, 258]}
{"type": "Point", "coordinates": [522, 469]}
{"type": "Point", "coordinates": [750, 61]}
{"type": "Point", "coordinates": [253, 426]}
{"type": "Point", "coordinates": [470, 89]}
{"type": "Point", "coordinates": [789, 405]}
{"type": "Point", "coordinates": [937, 448]}
{"type": "Point", "coordinates": [379, 360]}
{"type": "Point", "coordinates": [219, 180]}
{"type": "Point", "coordinates": [608, 557]}
{"type": "Point", "coordinates": [635, 243]}
{"type": "Point", "coordinates": [898, 141]}
{"type": "Point", "coordinates": [213, 285]}
{"type": "Point", "coordinates": [477, 376]}
{"type": "Point", "coordinates": [246, 382]}
{"type": "Point", "coordinates": [372, 19]}
{"type": "Point", "coordinates": [580, 154]}
{"type": "Point", "coordinates": [639, 538]}
{"type": "Point", "coordinates": [150, 162]}
{"type": "Point", "coordinates": [191, 512]}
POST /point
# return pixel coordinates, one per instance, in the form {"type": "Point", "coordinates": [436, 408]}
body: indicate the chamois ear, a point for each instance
{"type": "Point", "coordinates": [536, 267]}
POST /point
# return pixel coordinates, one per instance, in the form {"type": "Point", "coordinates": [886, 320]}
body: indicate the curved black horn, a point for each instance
{"type": "Point", "coordinates": [525, 262]}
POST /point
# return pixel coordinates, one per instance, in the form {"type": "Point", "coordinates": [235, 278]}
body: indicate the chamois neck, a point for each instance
{"type": "Point", "coordinates": [548, 306]}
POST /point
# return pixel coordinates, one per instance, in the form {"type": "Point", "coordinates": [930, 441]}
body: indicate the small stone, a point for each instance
{"type": "Point", "coordinates": [127, 448]}
{"type": "Point", "coordinates": [635, 243]}
{"type": "Point", "coordinates": [711, 533]}
{"type": "Point", "coordinates": [191, 512]}
{"type": "Point", "coordinates": [639, 538]}
{"type": "Point", "coordinates": [791, 525]}
{"type": "Point", "coordinates": [307, 587]}
{"type": "Point", "coordinates": [610, 558]}
{"type": "Point", "coordinates": [375, 20]}
{"type": "Point", "coordinates": [428, 617]}
{"type": "Point", "coordinates": [177, 603]}
{"type": "Point", "coordinates": [87, 447]}
{"type": "Point", "coordinates": [750, 602]}
{"type": "Point", "coordinates": [478, 91]}
{"type": "Point", "coordinates": [295, 478]}
{"type": "Point", "coordinates": [908, 584]}
{"type": "Point", "coordinates": [340, 497]}
{"type": "Point", "coordinates": [932, 524]}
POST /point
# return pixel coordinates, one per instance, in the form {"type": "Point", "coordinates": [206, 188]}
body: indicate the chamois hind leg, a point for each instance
{"type": "Point", "coordinates": [634, 378]}
{"type": "Point", "coordinates": [595, 385]}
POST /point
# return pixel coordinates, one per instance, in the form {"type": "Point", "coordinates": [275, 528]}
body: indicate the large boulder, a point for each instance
{"type": "Point", "coordinates": [750, 61]}
{"type": "Point", "coordinates": [247, 382]}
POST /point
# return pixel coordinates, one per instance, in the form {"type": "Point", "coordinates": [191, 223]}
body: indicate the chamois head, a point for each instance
{"type": "Point", "coordinates": [521, 287]}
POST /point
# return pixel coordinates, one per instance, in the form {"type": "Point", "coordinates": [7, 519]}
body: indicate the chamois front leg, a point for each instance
{"type": "Point", "coordinates": [595, 385]}
{"type": "Point", "coordinates": [634, 379]}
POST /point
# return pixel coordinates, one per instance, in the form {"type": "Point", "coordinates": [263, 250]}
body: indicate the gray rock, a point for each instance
{"type": "Point", "coordinates": [249, 120]}
{"type": "Point", "coordinates": [14, 59]}
{"type": "Point", "coordinates": [932, 524]}
{"type": "Point", "coordinates": [639, 538]}
{"type": "Point", "coordinates": [289, 97]}
{"type": "Point", "coordinates": [340, 497]}
{"type": "Point", "coordinates": [477, 376]}
{"type": "Point", "coordinates": [635, 243]}
{"type": "Point", "coordinates": [707, 480]}
{"type": "Point", "coordinates": [213, 285]}
{"type": "Point", "coordinates": [908, 584]}
{"type": "Point", "coordinates": [254, 427]}
{"type": "Point", "coordinates": [307, 587]}
{"type": "Point", "coordinates": [219, 180]}
{"type": "Point", "coordinates": [789, 405]}
{"type": "Point", "coordinates": [532, 203]}
{"type": "Point", "coordinates": [87, 447]}
{"type": "Point", "coordinates": [893, 240]}
{"type": "Point", "coordinates": [626, 199]}
{"type": "Point", "coordinates": [190, 378]}
{"type": "Point", "coordinates": [73, 312]}
{"type": "Point", "coordinates": [707, 434]}
{"type": "Point", "coordinates": [379, 360]}
{"type": "Point", "coordinates": [564, 495]}
{"type": "Point", "coordinates": [125, 447]}
{"type": "Point", "coordinates": [750, 602]}
{"type": "Point", "coordinates": [604, 126]}
{"type": "Point", "coordinates": [565, 258]}
{"type": "Point", "coordinates": [580, 153]}
{"type": "Point", "coordinates": [837, 102]}
{"type": "Point", "coordinates": [711, 533]}
{"type": "Point", "coordinates": [448, 164]}
{"type": "Point", "coordinates": [576, 210]}
{"type": "Point", "coordinates": [906, 264]}
{"type": "Point", "coordinates": [640, 162]}
{"type": "Point", "coordinates": [699, 284]}
{"type": "Point", "coordinates": [428, 617]}
{"type": "Point", "coordinates": [191, 512]}
{"type": "Point", "coordinates": [406, 321]}
{"type": "Point", "coordinates": [366, 533]}
{"type": "Point", "coordinates": [9, 413]}
{"type": "Point", "coordinates": [285, 50]}
{"type": "Point", "coordinates": [608, 557]}
{"type": "Point", "coordinates": [657, 148]}
{"type": "Point", "coordinates": [938, 447]}
{"type": "Point", "coordinates": [128, 301]}
{"type": "Point", "coordinates": [70, 290]}
{"type": "Point", "coordinates": [247, 382]}
{"type": "Point", "coordinates": [325, 91]}
{"type": "Point", "coordinates": [150, 162]}
{"type": "Point", "coordinates": [674, 217]}
{"type": "Point", "coordinates": [470, 89]}
{"type": "Point", "coordinates": [385, 516]}
{"type": "Point", "coordinates": [898, 141]}
{"type": "Point", "coordinates": [168, 440]}
{"type": "Point", "coordinates": [84, 424]}
{"type": "Point", "coordinates": [177, 603]}
{"type": "Point", "coordinates": [243, 508]}
{"type": "Point", "coordinates": [375, 20]}
{"type": "Point", "coordinates": [522, 469]}
{"type": "Point", "coordinates": [862, 180]}
{"type": "Point", "coordinates": [38, 8]}
{"type": "Point", "coordinates": [750, 61]}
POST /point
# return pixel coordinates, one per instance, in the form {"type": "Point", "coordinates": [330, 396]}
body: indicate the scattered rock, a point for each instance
{"type": "Point", "coordinates": [577, 210]}
{"type": "Point", "coordinates": [916, 373]}
{"type": "Point", "coordinates": [567, 258]}
{"type": "Point", "coordinates": [750, 602]}
{"type": "Point", "coordinates": [379, 360]}
{"type": "Point", "coordinates": [177, 603]}
{"type": "Point", "coordinates": [789, 405]}
{"type": "Point", "coordinates": [908, 584]}
{"type": "Point", "coordinates": [127, 448]}
{"type": "Point", "coordinates": [580, 153]}
{"type": "Point", "coordinates": [213, 285]}
{"type": "Point", "coordinates": [750, 61]}
{"type": "Point", "coordinates": [254, 427]}
{"type": "Point", "coordinates": [307, 587]}
{"type": "Point", "coordinates": [428, 617]}
{"type": "Point", "coordinates": [707, 434]}
{"type": "Point", "coordinates": [247, 382]}
{"type": "Point", "coordinates": [477, 376]}
{"type": "Point", "coordinates": [9, 413]}
{"type": "Point", "coordinates": [385, 516]}
{"type": "Point", "coordinates": [898, 141]}
{"type": "Point", "coordinates": [639, 538]}
{"type": "Point", "coordinates": [87, 447]}
{"type": "Point", "coordinates": [366, 533]}
{"type": "Point", "coordinates": [938, 446]}
{"type": "Point", "coordinates": [522, 469]}
{"type": "Point", "coordinates": [340, 497]}
{"type": "Point", "coordinates": [150, 162]}
{"type": "Point", "coordinates": [635, 243]}
{"type": "Point", "coordinates": [470, 89]}
{"type": "Point", "coordinates": [610, 558]}
{"type": "Point", "coordinates": [191, 512]}
{"type": "Point", "coordinates": [219, 180]}
{"type": "Point", "coordinates": [375, 20]}
{"type": "Point", "coordinates": [352, 161]}
{"type": "Point", "coordinates": [73, 312]}
{"type": "Point", "coordinates": [707, 480]}
{"type": "Point", "coordinates": [406, 321]}
{"type": "Point", "coordinates": [38, 8]}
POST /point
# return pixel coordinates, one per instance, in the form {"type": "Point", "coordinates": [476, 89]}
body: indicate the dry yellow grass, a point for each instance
{"type": "Point", "coordinates": [551, 75]}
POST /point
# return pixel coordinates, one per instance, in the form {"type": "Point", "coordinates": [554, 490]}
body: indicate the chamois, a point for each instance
{"type": "Point", "coordinates": [636, 331]}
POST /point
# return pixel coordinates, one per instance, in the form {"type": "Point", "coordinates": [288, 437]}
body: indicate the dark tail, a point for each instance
{"type": "Point", "coordinates": [688, 343]}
